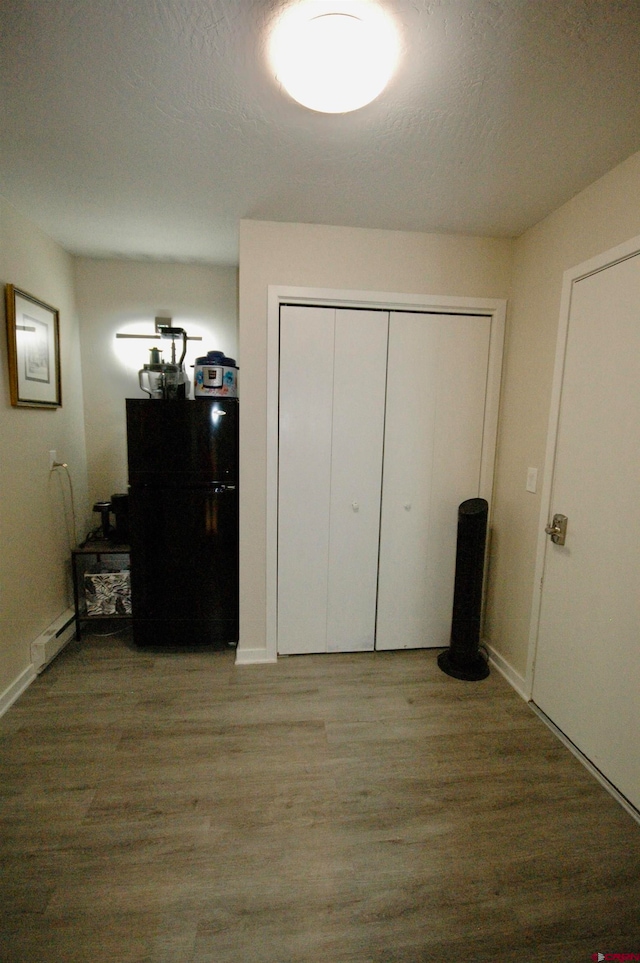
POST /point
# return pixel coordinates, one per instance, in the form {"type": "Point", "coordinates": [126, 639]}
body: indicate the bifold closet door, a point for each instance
{"type": "Point", "coordinates": [331, 424]}
{"type": "Point", "coordinates": [304, 476]}
{"type": "Point", "coordinates": [435, 412]}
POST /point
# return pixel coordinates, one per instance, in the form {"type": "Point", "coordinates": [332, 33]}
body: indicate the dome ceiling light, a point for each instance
{"type": "Point", "coordinates": [334, 57]}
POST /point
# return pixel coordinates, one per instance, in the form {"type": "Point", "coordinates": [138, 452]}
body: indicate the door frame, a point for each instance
{"type": "Point", "coordinates": [493, 308]}
{"type": "Point", "coordinates": [594, 265]}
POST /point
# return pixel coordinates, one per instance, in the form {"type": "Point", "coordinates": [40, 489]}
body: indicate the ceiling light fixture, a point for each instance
{"type": "Point", "coordinates": [332, 56]}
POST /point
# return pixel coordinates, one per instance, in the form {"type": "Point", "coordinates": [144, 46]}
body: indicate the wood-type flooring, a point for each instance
{"type": "Point", "coordinates": [174, 808]}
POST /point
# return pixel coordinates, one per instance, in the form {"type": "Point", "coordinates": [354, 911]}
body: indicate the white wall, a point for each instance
{"type": "Point", "coordinates": [113, 295]}
{"type": "Point", "coordinates": [340, 258]}
{"type": "Point", "coordinates": [605, 214]}
{"type": "Point", "coordinates": [36, 529]}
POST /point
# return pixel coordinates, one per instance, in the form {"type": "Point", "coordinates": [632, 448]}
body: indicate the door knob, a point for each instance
{"type": "Point", "coordinates": [558, 529]}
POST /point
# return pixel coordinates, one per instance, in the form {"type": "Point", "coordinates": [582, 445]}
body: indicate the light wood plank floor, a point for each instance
{"type": "Point", "coordinates": [172, 808]}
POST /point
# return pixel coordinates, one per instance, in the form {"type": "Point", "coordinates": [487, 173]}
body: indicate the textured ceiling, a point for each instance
{"type": "Point", "coordinates": [147, 128]}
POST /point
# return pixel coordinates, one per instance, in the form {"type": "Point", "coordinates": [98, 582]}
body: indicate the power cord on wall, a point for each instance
{"type": "Point", "coordinates": [71, 536]}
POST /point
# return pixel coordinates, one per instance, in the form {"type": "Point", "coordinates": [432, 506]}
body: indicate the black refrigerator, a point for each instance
{"type": "Point", "coordinates": [183, 518]}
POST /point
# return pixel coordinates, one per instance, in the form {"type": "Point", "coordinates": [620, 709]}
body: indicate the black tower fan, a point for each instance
{"type": "Point", "coordinates": [462, 659]}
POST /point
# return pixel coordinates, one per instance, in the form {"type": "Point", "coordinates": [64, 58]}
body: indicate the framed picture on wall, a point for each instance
{"type": "Point", "coordinates": [33, 333]}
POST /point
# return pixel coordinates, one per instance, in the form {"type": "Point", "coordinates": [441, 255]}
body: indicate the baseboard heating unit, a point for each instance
{"type": "Point", "coordinates": [52, 640]}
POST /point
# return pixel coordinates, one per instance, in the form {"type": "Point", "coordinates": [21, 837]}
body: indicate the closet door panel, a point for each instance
{"type": "Point", "coordinates": [464, 359]}
{"type": "Point", "coordinates": [356, 471]}
{"type": "Point", "coordinates": [304, 477]}
{"type": "Point", "coordinates": [408, 469]}
{"type": "Point", "coordinates": [433, 444]}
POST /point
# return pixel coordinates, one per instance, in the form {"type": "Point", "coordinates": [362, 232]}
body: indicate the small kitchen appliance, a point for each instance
{"type": "Point", "coordinates": [215, 376]}
{"type": "Point", "coordinates": [160, 379]}
{"type": "Point", "coordinates": [118, 531]}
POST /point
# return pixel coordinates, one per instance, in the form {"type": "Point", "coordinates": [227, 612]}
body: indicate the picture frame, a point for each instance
{"type": "Point", "coordinates": [33, 335]}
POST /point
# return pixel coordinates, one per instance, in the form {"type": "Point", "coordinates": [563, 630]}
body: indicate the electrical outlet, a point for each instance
{"type": "Point", "coordinates": [53, 457]}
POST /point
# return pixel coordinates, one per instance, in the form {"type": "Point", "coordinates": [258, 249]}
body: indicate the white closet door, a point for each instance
{"type": "Point", "coordinates": [332, 384]}
{"type": "Point", "coordinates": [304, 482]}
{"type": "Point", "coordinates": [356, 467]}
{"type": "Point", "coordinates": [436, 390]}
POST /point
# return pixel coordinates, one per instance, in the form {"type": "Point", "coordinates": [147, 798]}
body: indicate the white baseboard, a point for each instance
{"type": "Point", "coordinates": [17, 687]}
{"type": "Point", "coordinates": [514, 678]}
{"type": "Point", "coordinates": [52, 640]}
{"type": "Point", "coordinates": [253, 657]}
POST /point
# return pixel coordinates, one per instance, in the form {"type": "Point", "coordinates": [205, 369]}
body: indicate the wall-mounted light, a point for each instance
{"type": "Point", "coordinates": [334, 56]}
{"type": "Point", "coordinates": [128, 349]}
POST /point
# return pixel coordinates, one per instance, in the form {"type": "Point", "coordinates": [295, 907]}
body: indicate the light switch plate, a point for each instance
{"type": "Point", "coordinates": [532, 480]}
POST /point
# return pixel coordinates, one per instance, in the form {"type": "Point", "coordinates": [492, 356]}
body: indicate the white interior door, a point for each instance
{"type": "Point", "coordinates": [587, 665]}
{"type": "Point", "coordinates": [332, 387]}
{"type": "Point", "coordinates": [435, 417]}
